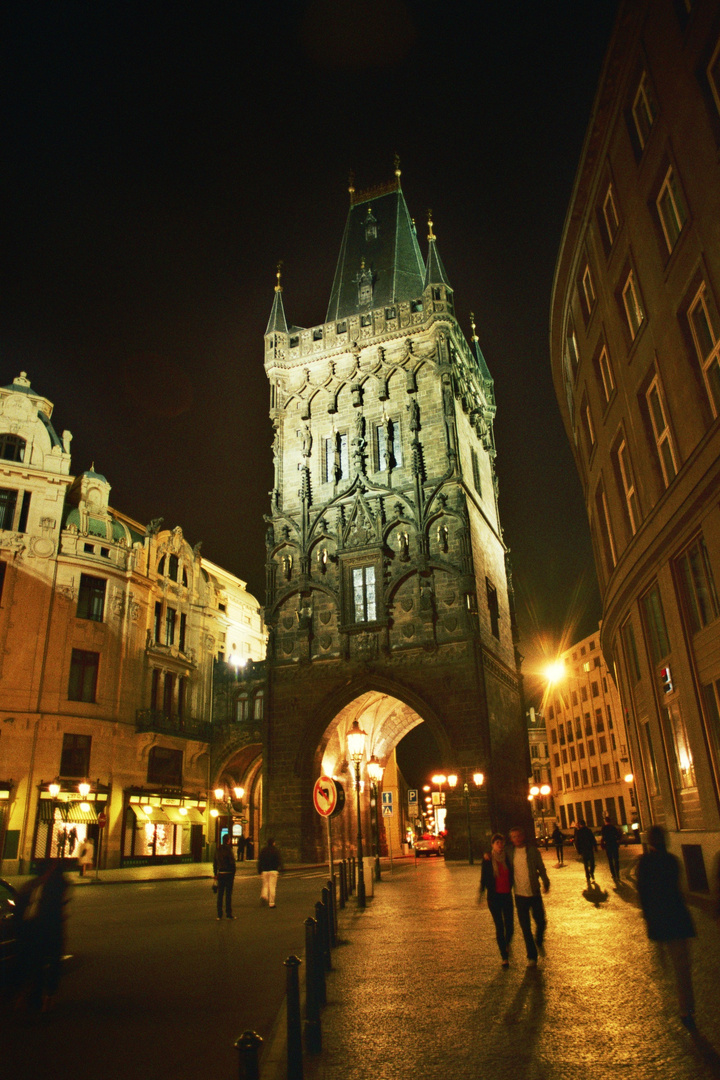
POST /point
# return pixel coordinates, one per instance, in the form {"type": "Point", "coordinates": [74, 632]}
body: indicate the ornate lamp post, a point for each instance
{"type": "Point", "coordinates": [224, 797]}
{"type": "Point", "coordinates": [478, 779]}
{"type": "Point", "coordinates": [356, 748]}
{"type": "Point", "coordinates": [542, 792]}
{"type": "Point", "coordinates": [375, 771]}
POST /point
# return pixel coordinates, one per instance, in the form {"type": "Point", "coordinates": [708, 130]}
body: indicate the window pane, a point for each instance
{"type": "Point", "coordinates": [370, 592]}
{"type": "Point", "coordinates": [8, 500]}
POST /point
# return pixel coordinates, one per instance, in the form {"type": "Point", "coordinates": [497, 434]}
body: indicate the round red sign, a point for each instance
{"type": "Point", "coordinates": [102, 820]}
{"type": "Point", "coordinates": [325, 795]}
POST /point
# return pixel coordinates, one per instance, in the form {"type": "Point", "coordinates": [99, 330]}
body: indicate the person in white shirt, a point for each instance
{"type": "Point", "coordinates": [528, 871]}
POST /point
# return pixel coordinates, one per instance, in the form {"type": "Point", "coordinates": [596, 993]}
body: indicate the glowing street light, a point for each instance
{"type": "Point", "coordinates": [356, 749]}
{"type": "Point", "coordinates": [375, 772]}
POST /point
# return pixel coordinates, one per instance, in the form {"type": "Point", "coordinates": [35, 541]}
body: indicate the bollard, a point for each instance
{"type": "Point", "coordinates": [248, 1047]}
{"type": "Point", "coordinates": [313, 1029]}
{"type": "Point", "coordinates": [319, 957]}
{"type": "Point", "coordinates": [327, 936]}
{"type": "Point", "coordinates": [341, 879]}
{"type": "Point", "coordinates": [294, 1030]}
{"type": "Point", "coordinates": [331, 912]}
{"type": "Point", "coordinates": [334, 897]}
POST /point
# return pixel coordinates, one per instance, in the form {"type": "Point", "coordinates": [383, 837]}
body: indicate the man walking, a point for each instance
{"type": "Point", "coordinates": [610, 840]}
{"type": "Point", "coordinates": [224, 871]}
{"type": "Point", "coordinates": [528, 871]}
{"type": "Point", "coordinates": [586, 845]}
{"type": "Point", "coordinates": [269, 866]}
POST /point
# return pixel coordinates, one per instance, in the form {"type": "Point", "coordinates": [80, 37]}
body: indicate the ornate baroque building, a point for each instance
{"type": "Point", "coordinates": [635, 346]}
{"type": "Point", "coordinates": [388, 594]}
{"type": "Point", "coordinates": [110, 635]}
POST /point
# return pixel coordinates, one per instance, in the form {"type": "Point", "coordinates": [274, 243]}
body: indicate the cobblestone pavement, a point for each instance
{"type": "Point", "coordinates": [418, 990]}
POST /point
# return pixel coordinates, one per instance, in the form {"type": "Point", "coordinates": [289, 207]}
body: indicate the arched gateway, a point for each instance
{"type": "Point", "coordinates": [388, 594]}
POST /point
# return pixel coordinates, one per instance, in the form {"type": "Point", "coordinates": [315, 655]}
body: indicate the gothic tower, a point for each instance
{"type": "Point", "coordinates": [388, 591]}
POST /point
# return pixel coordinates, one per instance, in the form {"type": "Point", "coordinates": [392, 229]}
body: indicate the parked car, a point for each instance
{"type": "Point", "coordinates": [428, 845]}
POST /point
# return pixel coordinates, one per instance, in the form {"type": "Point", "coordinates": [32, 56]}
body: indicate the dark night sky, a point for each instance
{"type": "Point", "coordinates": [159, 158]}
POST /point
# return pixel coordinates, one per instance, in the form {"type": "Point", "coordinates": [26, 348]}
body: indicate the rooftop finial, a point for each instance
{"type": "Point", "coordinates": [278, 275]}
{"type": "Point", "coordinates": [472, 323]}
{"type": "Point", "coordinates": [397, 167]}
{"type": "Point", "coordinates": [431, 234]}
{"type": "Point", "coordinates": [351, 184]}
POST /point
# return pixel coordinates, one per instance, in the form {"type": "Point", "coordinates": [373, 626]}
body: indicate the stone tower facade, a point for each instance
{"type": "Point", "coordinates": [388, 590]}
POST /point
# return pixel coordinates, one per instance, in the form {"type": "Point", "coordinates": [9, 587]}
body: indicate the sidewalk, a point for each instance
{"type": "Point", "coordinates": [418, 990]}
{"type": "Point", "coordinates": [127, 875]}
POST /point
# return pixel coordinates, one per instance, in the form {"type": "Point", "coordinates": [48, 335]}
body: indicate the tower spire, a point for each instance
{"type": "Point", "coordinates": [434, 269]}
{"type": "Point", "coordinates": [277, 323]}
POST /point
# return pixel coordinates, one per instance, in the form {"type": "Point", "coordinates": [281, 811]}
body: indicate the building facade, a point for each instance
{"type": "Point", "coordinates": [635, 346]}
{"type": "Point", "coordinates": [111, 634]}
{"type": "Point", "coordinates": [589, 759]}
{"type": "Point", "coordinates": [388, 592]}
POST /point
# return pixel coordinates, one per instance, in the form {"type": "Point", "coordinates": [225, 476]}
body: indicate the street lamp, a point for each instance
{"type": "Point", "coordinates": [478, 779]}
{"type": "Point", "coordinates": [224, 797]}
{"type": "Point", "coordinates": [356, 749]}
{"type": "Point", "coordinates": [542, 792]}
{"type": "Point", "coordinates": [375, 772]}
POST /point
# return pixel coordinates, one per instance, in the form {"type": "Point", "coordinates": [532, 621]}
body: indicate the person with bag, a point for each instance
{"type": "Point", "coordinates": [496, 880]}
{"type": "Point", "coordinates": [224, 871]}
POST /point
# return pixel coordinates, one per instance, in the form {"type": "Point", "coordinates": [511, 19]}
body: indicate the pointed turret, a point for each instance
{"type": "Point", "coordinates": [277, 323]}
{"type": "Point", "coordinates": [484, 370]}
{"type": "Point", "coordinates": [434, 269]}
{"type": "Point", "coordinates": [380, 262]}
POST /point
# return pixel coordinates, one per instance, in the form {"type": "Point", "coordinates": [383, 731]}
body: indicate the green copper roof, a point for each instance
{"type": "Point", "coordinates": [277, 323]}
{"type": "Point", "coordinates": [380, 261]}
{"type": "Point", "coordinates": [435, 271]}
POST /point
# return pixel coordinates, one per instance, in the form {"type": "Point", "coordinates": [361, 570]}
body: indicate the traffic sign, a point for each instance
{"type": "Point", "coordinates": [387, 799]}
{"type": "Point", "coordinates": [412, 798]}
{"type": "Point", "coordinates": [328, 796]}
{"type": "Point", "coordinates": [387, 810]}
{"type": "Point", "coordinates": [102, 820]}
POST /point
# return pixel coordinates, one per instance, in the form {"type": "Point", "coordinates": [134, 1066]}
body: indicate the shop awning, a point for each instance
{"type": "Point", "coordinates": [82, 817]}
{"type": "Point", "coordinates": [158, 815]}
{"type": "Point", "coordinates": [192, 816]}
{"type": "Point", "coordinates": [47, 810]}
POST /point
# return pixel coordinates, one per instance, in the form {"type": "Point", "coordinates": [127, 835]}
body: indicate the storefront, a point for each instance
{"type": "Point", "coordinates": [161, 828]}
{"type": "Point", "coordinates": [66, 816]}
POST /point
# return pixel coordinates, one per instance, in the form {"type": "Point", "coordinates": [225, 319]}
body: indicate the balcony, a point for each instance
{"type": "Point", "coordinates": [184, 727]}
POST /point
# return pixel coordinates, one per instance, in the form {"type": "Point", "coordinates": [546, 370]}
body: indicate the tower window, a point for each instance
{"type": "Point", "coordinates": [388, 448]}
{"type": "Point", "coordinates": [91, 598]}
{"type": "Point", "coordinates": [12, 447]}
{"type": "Point", "coordinates": [364, 598]}
{"type": "Point", "coordinates": [476, 470]}
{"type": "Point", "coordinates": [336, 458]}
{"type": "Point", "coordinates": [493, 608]}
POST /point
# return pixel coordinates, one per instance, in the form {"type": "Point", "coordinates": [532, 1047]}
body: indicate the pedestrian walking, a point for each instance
{"type": "Point", "coordinates": [224, 872]}
{"type": "Point", "coordinates": [241, 845]}
{"type": "Point", "coordinates": [39, 924]}
{"type": "Point", "coordinates": [528, 870]}
{"type": "Point", "coordinates": [269, 866]}
{"type": "Point", "coordinates": [85, 855]}
{"type": "Point", "coordinates": [496, 880]}
{"type": "Point", "coordinates": [558, 839]}
{"type": "Point", "coordinates": [610, 840]}
{"type": "Point", "coordinates": [586, 845]}
{"type": "Point", "coordinates": [668, 920]}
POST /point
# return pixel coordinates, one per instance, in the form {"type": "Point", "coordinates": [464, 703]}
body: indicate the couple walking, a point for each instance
{"type": "Point", "coordinates": [519, 869]}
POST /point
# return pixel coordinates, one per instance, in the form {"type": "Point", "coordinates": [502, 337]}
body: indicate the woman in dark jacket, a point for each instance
{"type": "Point", "coordinates": [496, 880]}
{"type": "Point", "coordinates": [666, 915]}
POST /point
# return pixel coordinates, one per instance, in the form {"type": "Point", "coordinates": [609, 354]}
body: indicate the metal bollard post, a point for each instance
{"type": "Point", "coordinates": [327, 936]}
{"type": "Point", "coordinates": [313, 1030]}
{"type": "Point", "coordinates": [331, 911]}
{"type": "Point", "coordinates": [294, 1030]}
{"type": "Point", "coordinates": [343, 894]}
{"type": "Point", "coordinates": [334, 898]}
{"type": "Point", "coordinates": [248, 1047]}
{"type": "Point", "coordinates": [320, 957]}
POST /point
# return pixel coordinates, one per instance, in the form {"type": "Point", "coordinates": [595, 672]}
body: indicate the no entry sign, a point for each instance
{"type": "Point", "coordinates": [328, 796]}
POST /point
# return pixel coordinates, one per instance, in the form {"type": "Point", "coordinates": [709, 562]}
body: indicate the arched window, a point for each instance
{"type": "Point", "coordinates": [258, 706]}
{"type": "Point", "coordinates": [241, 708]}
{"type": "Point", "coordinates": [12, 447]}
{"type": "Point", "coordinates": [173, 564]}
{"type": "Point", "coordinates": [161, 567]}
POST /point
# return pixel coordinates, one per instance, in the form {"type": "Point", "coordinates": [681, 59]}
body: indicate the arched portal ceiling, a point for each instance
{"type": "Point", "coordinates": [384, 719]}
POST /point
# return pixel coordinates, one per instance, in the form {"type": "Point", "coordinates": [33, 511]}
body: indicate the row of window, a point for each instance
{"type": "Point", "coordinates": [165, 766]}
{"type": "Point", "coordinates": [170, 566]}
{"type": "Point", "coordinates": [570, 780]}
{"type": "Point", "coordinates": [386, 452]}
{"type": "Point", "coordinates": [592, 812]}
{"type": "Point", "coordinates": [169, 629]}
{"type": "Point", "coordinates": [577, 729]}
{"type": "Point", "coordinates": [570, 753]}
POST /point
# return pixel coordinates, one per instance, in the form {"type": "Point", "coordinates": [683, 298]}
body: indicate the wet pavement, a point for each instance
{"type": "Point", "coordinates": [418, 991]}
